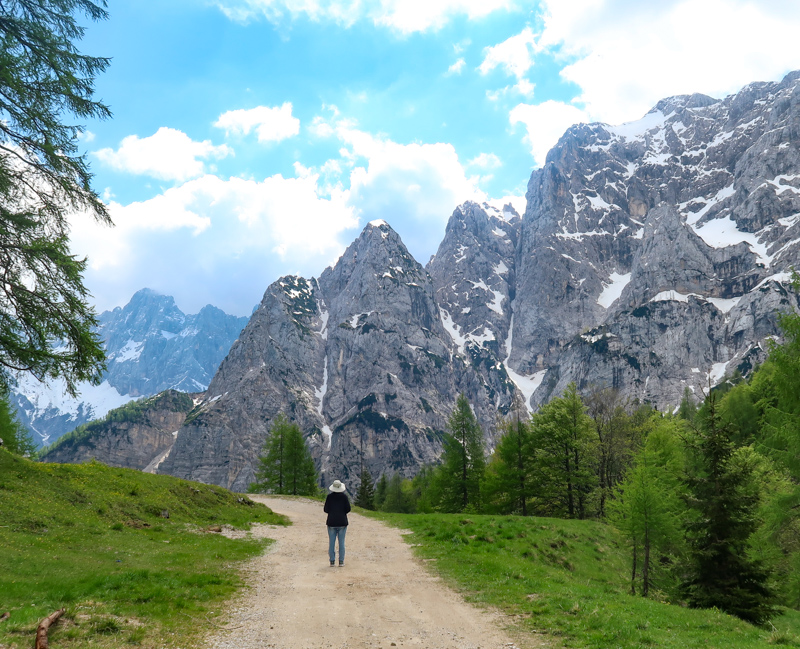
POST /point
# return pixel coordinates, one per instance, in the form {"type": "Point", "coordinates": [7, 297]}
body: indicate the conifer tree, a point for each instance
{"type": "Point", "coordinates": [509, 474]}
{"type": "Point", "coordinates": [286, 465]}
{"type": "Point", "coordinates": [365, 496]}
{"type": "Point", "coordinates": [723, 498]}
{"type": "Point", "coordinates": [566, 452]}
{"type": "Point", "coordinates": [462, 470]}
{"type": "Point", "coordinates": [380, 491]}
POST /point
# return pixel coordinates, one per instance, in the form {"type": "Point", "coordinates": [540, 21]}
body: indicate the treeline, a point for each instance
{"type": "Point", "coordinates": [708, 498]}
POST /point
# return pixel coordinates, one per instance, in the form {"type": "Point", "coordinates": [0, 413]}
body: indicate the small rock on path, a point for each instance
{"type": "Point", "coordinates": [381, 598]}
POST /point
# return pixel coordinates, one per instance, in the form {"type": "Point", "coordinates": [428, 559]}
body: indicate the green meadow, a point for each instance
{"type": "Point", "coordinates": [568, 580]}
{"type": "Point", "coordinates": [133, 557]}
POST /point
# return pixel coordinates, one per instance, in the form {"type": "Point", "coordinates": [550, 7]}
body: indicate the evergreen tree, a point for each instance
{"type": "Point", "coordinates": [509, 474]}
{"type": "Point", "coordinates": [286, 465]}
{"type": "Point", "coordinates": [565, 455]}
{"type": "Point", "coordinates": [647, 507]}
{"type": "Point", "coordinates": [397, 497]}
{"type": "Point", "coordinates": [462, 469]}
{"type": "Point", "coordinates": [15, 436]}
{"type": "Point", "coordinates": [46, 323]}
{"type": "Point", "coordinates": [723, 497]}
{"type": "Point", "coordinates": [380, 491]}
{"type": "Point", "coordinates": [365, 496]}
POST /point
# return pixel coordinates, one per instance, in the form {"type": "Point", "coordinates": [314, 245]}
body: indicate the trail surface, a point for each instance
{"type": "Point", "coordinates": [382, 597]}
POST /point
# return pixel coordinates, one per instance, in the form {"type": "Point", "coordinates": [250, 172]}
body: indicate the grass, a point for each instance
{"type": "Point", "coordinates": [569, 580]}
{"type": "Point", "coordinates": [130, 555]}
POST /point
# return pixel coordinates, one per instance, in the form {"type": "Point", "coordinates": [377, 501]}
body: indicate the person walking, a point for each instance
{"type": "Point", "coordinates": [337, 504]}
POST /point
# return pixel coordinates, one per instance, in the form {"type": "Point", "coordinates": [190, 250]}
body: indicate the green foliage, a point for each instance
{"type": "Point", "coordinates": [510, 473]}
{"type": "Point", "coordinates": [399, 497]}
{"type": "Point", "coordinates": [459, 478]}
{"type": "Point", "coordinates": [380, 491]}
{"type": "Point", "coordinates": [96, 540]}
{"type": "Point", "coordinates": [46, 329]}
{"type": "Point", "coordinates": [648, 508]}
{"type": "Point", "coordinates": [286, 465]}
{"type": "Point", "coordinates": [723, 498]}
{"type": "Point", "coordinates": [365, 497]}
{"type": "Point", "coordinates": [566, 452]}
{"type": "Point", "coordinates": [15, 436]}
{"type": "Point", "coordinates": [565, 583]}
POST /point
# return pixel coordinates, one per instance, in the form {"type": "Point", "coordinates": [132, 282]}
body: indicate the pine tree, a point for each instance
{"type": "Point", "coordinates": [566, 451]}
{"type": "Point", "coordinates": [723, 497]}
{"type": "Point", "coordinates": [509, 475]}
{"type": "Point", "coordinates": [46, 323]}
{"type": "Point", "coordinates": [365, 497]}
{"type": "Point", "coordinates": [397, 499]}
{"type": "Point", "coordinates": [380, 491]}
{"type": "Point", "coordinates": [286, 465]}
{"type": "Point", "coordinates": [462, 470]}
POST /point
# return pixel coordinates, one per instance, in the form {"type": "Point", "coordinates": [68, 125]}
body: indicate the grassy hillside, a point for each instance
{"type": "Point", "coordinates": [97, 540]}
{"type": "Point", "coordinates": [569, 579]}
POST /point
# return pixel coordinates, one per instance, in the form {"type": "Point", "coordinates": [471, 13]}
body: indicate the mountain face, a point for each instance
{"type": "Point", "coordinates": [361, 358]}
{"type": "Point", "coordinates": [151, 346]}
{"type": "Point", "coordinates": [652, 257]}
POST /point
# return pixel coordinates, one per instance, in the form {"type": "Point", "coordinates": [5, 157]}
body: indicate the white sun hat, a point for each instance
{"type": "Point", "coordinates": [337, 486]}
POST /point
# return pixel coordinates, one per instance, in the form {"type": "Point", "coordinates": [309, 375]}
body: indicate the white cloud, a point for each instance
{"type": "Point", "coordinates": [457, 67]}
{"type": "Point", "coordinates": [545, 123]}
{"type": "Point", "coordinates": [485, 161]}
{"type": "Point", "coordinates": [414, 187]}
{"type": "Point", "coordinates": [404, 16]}
{"type": "Point", "coordinates": [630, 54]}
{"type": "Point", "coordinates": [271, 124]}
{"type": "Point", "coordinates": [168, 154]}
{"type": "Point", "coordinates": [214, 241]}
{"type": "Point", "coordinates": [514, 55]}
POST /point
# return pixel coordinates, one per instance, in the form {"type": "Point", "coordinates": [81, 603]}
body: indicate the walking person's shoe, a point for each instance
{"type": "Point", "coordinates": [341, 564]}
{"type": "Point", "coordinates": [333, 564]}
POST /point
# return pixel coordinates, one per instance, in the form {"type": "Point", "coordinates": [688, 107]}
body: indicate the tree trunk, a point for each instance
{"type": "Point", "coordinates": [646, 562]}
{"type": "Point", "coordinates": [44, 625]}
{"type": "Point", "coordinates": [633, 569]}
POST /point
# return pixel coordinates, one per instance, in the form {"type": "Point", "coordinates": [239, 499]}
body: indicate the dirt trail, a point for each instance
{"type": "Point", "coordinates": [382, 597]}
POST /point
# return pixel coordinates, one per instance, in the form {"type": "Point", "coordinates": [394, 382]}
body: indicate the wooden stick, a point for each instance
{"type": "Point", "coordinates": [5, 616]}
{"type": "Point", "coordinates": [44, 625]}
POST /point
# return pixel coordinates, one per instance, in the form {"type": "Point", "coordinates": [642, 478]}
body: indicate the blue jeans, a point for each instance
{"type": "Point", "coordinates": [333, 533]}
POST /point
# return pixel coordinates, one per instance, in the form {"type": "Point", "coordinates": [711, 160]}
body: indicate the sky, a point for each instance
{"type": "Point", "coordinates": [252, 139]}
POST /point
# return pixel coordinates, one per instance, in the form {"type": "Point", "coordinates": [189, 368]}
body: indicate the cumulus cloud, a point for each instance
{"type": "Point", "coordinates": [627, 54]}
{"type": "Point", "coordinates": [214, 241]}
{"type": "Point", "coordinates": [404, 16]}
{"type": "Point", "coordinates": [414, 187]}
{"type": "Point", "coordinates": [457, 67]}
{"type": "Point", "coordinates": [545, 123]}
{"type": "Point", "coordinates": [168, 154]}
{"type": "Point", "coordinates": [485, 161]}
{"type": "Point", "coordinates": [270, 124]}
{"type": "Point", "coordinates": [515, 55]}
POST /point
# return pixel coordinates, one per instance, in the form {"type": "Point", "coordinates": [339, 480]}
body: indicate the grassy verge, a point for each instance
{"type": "Point", "coordinates": [568, 579]}
{"type": "Point", "coordinates": [131, 556]}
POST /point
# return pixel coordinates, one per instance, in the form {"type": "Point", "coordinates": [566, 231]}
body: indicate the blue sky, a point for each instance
{"type": "Point", "coordinates": [256, 138]}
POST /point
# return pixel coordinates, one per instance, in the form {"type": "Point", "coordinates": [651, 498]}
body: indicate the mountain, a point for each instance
{"type": "Point", "coordinates": [652, 257]}
{"type": "Point", "coordinates": [151, 346]}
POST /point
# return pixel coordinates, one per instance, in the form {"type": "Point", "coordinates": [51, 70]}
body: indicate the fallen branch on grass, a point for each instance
{"type": "Point", "coordinates": [5, 616]}
{"type": "Point", "coordinates": [44, 625]}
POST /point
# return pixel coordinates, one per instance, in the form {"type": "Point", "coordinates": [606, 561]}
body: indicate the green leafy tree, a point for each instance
{"type": "Point", "coordinates": [509, 474]}
{"type": "Point", "coordinates": [46, 325]}
{"type": "Point", "coordinates": [365, 496]}
{"type": "Point", "coordinates": [286, 465]}
{"type": "Point", "coordinates": [15, 436]}
{"type": "Point", "coordinates": [648, 508]}
{"type": "Point", "coordinates": [723, 497]}
{"type": "Point", "coordinates": [462, 469]}
{"type": "Point", "coordinates": [566, 451]}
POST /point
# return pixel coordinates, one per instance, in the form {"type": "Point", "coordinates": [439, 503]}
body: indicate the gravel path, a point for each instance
{"type": "Point", "coordinates": [382, 597]}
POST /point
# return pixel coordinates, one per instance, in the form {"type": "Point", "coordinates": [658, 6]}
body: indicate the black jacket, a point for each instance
{"type": "Point", "coordinates": [337, 504]}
